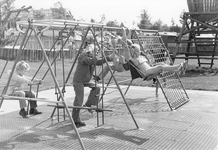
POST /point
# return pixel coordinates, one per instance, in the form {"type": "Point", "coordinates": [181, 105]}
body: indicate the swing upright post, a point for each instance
{"type": "Point", "coordinates": [58, 88]}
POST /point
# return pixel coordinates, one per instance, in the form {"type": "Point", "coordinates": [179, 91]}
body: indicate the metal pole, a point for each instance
{"type": "Point", "coordinates": [16, 60]}
{"type": "Point", "coordinates": [7, 58]}
{"type": "Point", "coordinates": [58, 88]}
{"type": "Point", "coordinates": [118, 87]}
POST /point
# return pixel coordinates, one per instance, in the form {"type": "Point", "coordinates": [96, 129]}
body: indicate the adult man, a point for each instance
{"type": "Point", "coordinates": [82, 77]}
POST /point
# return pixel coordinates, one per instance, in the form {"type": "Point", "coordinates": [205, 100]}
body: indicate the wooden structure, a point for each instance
{"type": "Point", "coordinates": [200, 29]}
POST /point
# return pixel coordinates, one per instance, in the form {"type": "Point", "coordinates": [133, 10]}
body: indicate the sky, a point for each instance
{"type": "Point", "coordinates": [126, 11]}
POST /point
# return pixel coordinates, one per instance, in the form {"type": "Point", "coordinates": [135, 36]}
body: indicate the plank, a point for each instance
{"type": "Point", "coordinates": [80, 107]}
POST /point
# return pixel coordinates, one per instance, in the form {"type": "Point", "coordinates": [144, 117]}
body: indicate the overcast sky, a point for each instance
{"type": "Point", "coordinates": [127, 11]}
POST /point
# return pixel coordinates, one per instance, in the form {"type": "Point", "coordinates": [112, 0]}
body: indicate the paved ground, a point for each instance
{"type": "Point", "coordinates": [191, 127]}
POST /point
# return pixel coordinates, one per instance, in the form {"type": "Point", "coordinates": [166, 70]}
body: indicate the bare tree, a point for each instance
{"type": "Point", "coordinates": [38, 15]}
{"type": "Point", "coordinates": [59, 12]}
{"type": "Point", "coordinates": [7, 14]}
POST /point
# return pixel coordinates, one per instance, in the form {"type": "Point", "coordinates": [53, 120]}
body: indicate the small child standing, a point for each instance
{"type": "Point", "coordinates": [16, 88]}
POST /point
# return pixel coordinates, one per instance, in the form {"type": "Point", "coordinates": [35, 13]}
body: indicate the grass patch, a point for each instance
{"type": "Point", "coordinates": [196, 78]}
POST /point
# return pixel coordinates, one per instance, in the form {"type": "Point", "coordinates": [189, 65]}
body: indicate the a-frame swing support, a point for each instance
{"type": "Point", "coordinates": [100, 46]}
{"type": "Point", "coordinates": [30, 26]}
{"type": "Point", "coordinates": [112, 74]}
{"type": "Point", "coordinates": [51, 71]}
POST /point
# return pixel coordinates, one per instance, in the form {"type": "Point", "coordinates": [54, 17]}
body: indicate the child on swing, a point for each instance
{"type": "Point", "coordinates": [132, 53]}
{"type": "Point", "coordinates": [17, 83]}
{"type": "Point", "coordinates": [118, 62]}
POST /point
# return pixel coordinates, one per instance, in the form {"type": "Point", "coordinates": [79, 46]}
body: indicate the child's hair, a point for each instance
{"type": "Point", "coordinates": [22, 65]}
{"type": "Point", "coordinates": [134, 47]}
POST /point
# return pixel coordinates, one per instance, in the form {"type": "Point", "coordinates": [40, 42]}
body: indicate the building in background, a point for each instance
{"type": "Point", "coordinates": [33, 13]}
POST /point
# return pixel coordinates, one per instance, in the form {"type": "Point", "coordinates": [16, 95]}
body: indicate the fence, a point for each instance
{"type": "Point", "coordinates": [34, 55]}
{"type": "Point", "coordinates": [47, 42]}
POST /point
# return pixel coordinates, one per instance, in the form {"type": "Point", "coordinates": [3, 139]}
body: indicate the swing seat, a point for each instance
{"type": "Point", "coordinates": [136, 74]}
{"type": "Point", "coordinates": [134, 71]}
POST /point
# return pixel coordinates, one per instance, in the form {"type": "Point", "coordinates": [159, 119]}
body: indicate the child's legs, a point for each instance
{"type": "Point", "coordinates": [160, 68]}
{"type": "Point", "coordinates": [117, 65]}
{"type": "Point", "coordinates": [22, 102]}
{"type": "Point", "coordinates": [153, 70]}
{"type": "Point", "coordinates": [126, 53]}
{"type": "Point", "coordinates": [104, 72]}
{"type": "Point", "coordinates": [31, 94]}
{"type": "Point", "coordinates": [93, 98]}
{"type": "Point", "coordinates": [173, 68]}
{"type": "Point", "coordinates": [119, 68]}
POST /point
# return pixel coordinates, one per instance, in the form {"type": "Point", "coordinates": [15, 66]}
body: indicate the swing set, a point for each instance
{"type": "Point", "coordinates": [170, 83]}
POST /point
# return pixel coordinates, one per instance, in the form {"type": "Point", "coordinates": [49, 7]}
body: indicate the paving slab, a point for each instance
{"type": "Point", "coordinates": [192, 126]}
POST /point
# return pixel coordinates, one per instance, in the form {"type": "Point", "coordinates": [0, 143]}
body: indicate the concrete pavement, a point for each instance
{"type": "Point", "coordinates": [193, 126]}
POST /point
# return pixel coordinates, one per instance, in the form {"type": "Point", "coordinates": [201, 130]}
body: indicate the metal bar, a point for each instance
{"type": "Point", "coordinates": [16, 60]}
{"type": "Point", "coordinates": [60, 93]}
{"type": "Point", "coordinates": [114, 91]}
{"type": "Point", "coordinates": [63, 89]}
{"type": "Point", "coordinates": [44, 59]}
{"type": "Point", "coordinates": [71, 69]}
{"type": "Point", "coordinates": [70, 23]}
{"type": "Point", "coordinates": [7, 59]}
{"type": "Point", "coordinates": [6, 63]}
{"type": "Point", "coordinates": [26, 98]}
{"type": "Point", "coordinates": [80, 50]}
{"type": "Point", "coordinates": [128, 87]}
{"type": "Point", "coordinates": [58, 54]}
{"type": "Point", "coordinates": [124, 99]}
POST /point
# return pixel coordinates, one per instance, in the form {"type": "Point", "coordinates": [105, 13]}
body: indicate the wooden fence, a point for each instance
{"type": "Point", "coordinates": [37, 55]}
{"type": "Point", "coordinates": [34, 55]}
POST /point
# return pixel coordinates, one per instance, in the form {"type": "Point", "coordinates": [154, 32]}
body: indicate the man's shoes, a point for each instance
{"type": "Point", "coordinates": [89, 110]}
{"type": "Point", "coordinates": [80, 124]}
{"type": "Point", "coordinates": [23, 113]}
{"type": "Point", "coordinates": [34, 111]}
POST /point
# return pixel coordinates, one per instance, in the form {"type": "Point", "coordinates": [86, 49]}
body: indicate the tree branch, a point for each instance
{"type": "Point", "coordinates": [6, 1]}
{"type": "Point", "coordinates": [4, 22]}
{"type": "Point", "coordinates": [21, 9]}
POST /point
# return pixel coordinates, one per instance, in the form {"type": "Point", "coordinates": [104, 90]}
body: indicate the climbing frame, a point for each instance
{"type": "Point", "coordinates": [152, 44]}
